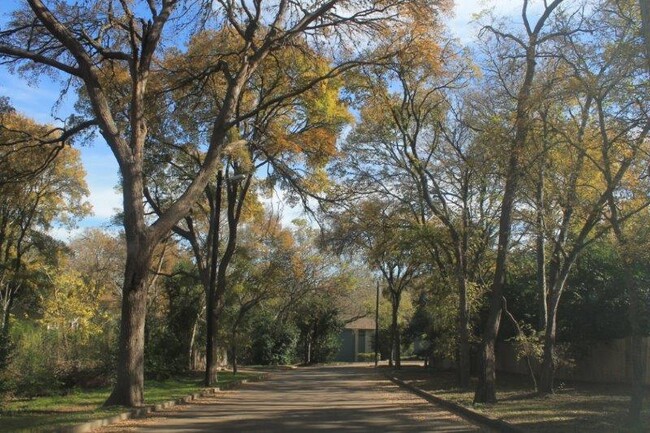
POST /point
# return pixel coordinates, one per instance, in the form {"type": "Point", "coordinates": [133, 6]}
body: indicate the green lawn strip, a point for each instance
{"type": "Point", "coordinates": [42, 413]}
{"type": "Point", "coordinates": [573, 408]}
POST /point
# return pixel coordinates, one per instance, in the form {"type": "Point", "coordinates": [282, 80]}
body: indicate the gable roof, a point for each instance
{"type": "Point", "coordinates": [362, 323]}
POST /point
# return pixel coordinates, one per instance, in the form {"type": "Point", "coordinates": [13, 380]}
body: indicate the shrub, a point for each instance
{"type": "Point", "coordinates": [366, 356]}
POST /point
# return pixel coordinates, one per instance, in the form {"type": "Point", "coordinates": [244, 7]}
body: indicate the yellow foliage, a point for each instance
{"type": "Point", "coordinates": [72, 306]}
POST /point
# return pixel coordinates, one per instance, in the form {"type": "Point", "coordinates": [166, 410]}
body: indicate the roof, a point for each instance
{"type": "Point", "coordinates": [362, 323]}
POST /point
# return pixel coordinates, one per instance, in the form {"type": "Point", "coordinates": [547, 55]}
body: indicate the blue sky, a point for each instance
{"type": "Point", "coordinates": [36, 99]}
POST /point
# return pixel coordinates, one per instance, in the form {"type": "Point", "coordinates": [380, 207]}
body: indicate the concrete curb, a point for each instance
{"type": "Point", "coordinates": [144, 411]}
{"type": "Point", "coordinates": [470, 414]}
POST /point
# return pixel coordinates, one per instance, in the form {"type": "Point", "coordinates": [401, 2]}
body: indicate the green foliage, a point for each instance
{"type": "Point", "coordinates": [171, 323]}
{"type": "Point", "coordinates": [320, 330]}
{"type": "Point", "coordinates": [366, 356]}
{"type": "Point", "coordinates": [44, 362]}
{"type": "Point", "coordinates": [529, 344]}
{"type": "Point", "coordinates": [273, 343]}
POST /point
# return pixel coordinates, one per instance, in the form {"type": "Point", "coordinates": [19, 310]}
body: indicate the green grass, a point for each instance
{"type": "Point", "coordinates": [44, 413]}
{"type": "Point", "coordinates": [574, 408]}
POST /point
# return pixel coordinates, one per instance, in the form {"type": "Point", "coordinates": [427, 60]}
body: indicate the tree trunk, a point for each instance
{"type": "Point", "coordinates": [541, 252]}
{"type": "Point", "coordinates": [234, 352]}
{"type": "Point", "coordinates": [486, 391]}
{"type": "Point", "coordinates": [6, 310]}
{"type": "Point", "coordinates": [486, 388]}
{"type": "Point", "coordinates": [638, 349]}
{"type": "Point", "coordinates": [190, 351]}
{"type": "Point", "coordinates": [129, 387]}
{"type": "Point", "coordinates": [395, 338]}
{"type": "Point", "coordinates": [211, 349]}
{"type": "Point", "coordinates": [547, 374]}
{"type": "Point", "coordinates": [463, 335]}
{"type": "Point", "coordinates": [212, 311]}
{"type": "Point", "coordinates": [645, 26]}
{"type": "Point", "coordinates": [307, 357]}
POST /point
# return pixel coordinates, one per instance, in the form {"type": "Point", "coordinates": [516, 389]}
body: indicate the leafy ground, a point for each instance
{"type": "Point", "coordinates": [43, 413]}
{"type": "Point", "coordinates": [574, 408]}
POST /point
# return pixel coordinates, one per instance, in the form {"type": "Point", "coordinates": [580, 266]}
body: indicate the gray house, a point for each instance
{"type": "Point", "coordinates": [357, 337]}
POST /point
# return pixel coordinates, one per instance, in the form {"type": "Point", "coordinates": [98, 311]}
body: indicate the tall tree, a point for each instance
{"type": "Point", "coordinates": [591, 147]}
{"type": "Point", "coordinates": [528, 49]}
{"type": "Point", "coordinates": [414, 146]}
{"type": "Point", "coordinates": [30, 208]}
{"type": "Point", "coordinates": [382, 233]}
{"type": "Point", "coordinates": [299, 131]}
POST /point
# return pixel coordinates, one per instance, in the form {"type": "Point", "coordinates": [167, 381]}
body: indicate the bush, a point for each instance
{"type": "Point", "coordinates": [273, 343]}
{"type": "Point", "coordinates": [47, 362]}
{"type": "Point", "coordinates": [366, 356]}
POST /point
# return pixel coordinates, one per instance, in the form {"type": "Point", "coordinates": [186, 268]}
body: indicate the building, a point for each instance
{"type": "Point", "coordinates": [357, 337]}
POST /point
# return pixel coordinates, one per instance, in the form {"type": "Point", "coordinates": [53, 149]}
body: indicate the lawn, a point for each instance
{"type": "Point", "coordinates": [574, 408]}
{"type": "Point", "coordinates": [44, 413]}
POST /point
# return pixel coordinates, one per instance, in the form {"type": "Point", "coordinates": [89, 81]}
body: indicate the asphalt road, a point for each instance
{"type": "Point", "coordinates": [330, 399]}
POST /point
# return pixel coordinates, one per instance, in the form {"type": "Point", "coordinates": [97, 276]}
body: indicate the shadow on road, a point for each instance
{"type": "Point", "coordinates": [322, 399]}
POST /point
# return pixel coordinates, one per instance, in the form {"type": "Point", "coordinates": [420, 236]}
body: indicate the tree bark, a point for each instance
{"type": "Point", "coordinates": [395, 337]}
{"type": "Point", "coordinates": [486, 388]}
{"type": "Point", "coordinates": [645, 26]}
{"type": "Point", "coordinates": [234, 352]}
{"type": "Point", "coordinates": [129, 387]}
{"type": "Point", "coordinates": [212, 311]}
{"type": "Point", "coordinates": [463, 335]}
{"type": "Point", "coordinates": [540, 247]}
{"type": "Point", "coordinates": [547, 374]}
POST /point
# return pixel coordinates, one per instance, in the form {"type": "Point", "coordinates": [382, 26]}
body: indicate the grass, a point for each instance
{"type": "Point", "coordinates": [44, 413]}
{"type": "Point", "coordinates": [574, 408]}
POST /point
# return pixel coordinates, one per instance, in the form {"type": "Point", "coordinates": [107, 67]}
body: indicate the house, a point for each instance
{"type": "Point", "coordinates": [357, 337]}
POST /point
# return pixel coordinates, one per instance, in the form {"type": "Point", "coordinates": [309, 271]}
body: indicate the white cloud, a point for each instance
{"type": "Point", "coordinates": [106, 202]}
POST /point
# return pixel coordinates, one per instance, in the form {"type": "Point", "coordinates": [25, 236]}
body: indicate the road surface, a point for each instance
{"type": "Point", "coordinates": [324, 399]}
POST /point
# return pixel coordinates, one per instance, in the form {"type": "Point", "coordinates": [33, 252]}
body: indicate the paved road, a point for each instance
{"type": "Point", "coordinates": [332, 399]}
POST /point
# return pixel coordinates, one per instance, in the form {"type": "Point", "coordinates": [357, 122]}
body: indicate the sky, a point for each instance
{"type": "Point", "coordinates": [35, 99]}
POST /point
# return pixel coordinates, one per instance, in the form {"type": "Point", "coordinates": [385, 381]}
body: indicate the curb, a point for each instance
{"type": "Point", "coordinates": [144, 411]}
{"type": "Point", "coordinates": [470, 414]}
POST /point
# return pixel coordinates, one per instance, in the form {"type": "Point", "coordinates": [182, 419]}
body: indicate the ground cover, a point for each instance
{"type": "Point", "coordinates": [574, 408]}
{"type": "Point", "coordinates": [43, 413]}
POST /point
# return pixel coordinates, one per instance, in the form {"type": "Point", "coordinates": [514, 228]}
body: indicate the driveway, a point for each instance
{"type": "Point", "coordinates": [324, 399]}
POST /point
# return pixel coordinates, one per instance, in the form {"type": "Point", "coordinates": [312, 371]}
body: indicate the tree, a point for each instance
{"type": "Point", "coordinates": [261, 268]}
{"type": "Point", "coordinates": [413, 144]}
{"type": "Point", "coordinates": [528, 50]}
{"type": "Point", "coordinates": [592, 151]}
{"type": "Point", "coordinates": [108, 50]}
{"type": "Point", "coordinates": [299, 131]}
{"type": "Point", "coordinates": [29, 209]}
{"type": "Point", "coordinates": [99, 256]}
{"type": "Point", "coordinates": [381, 232]}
